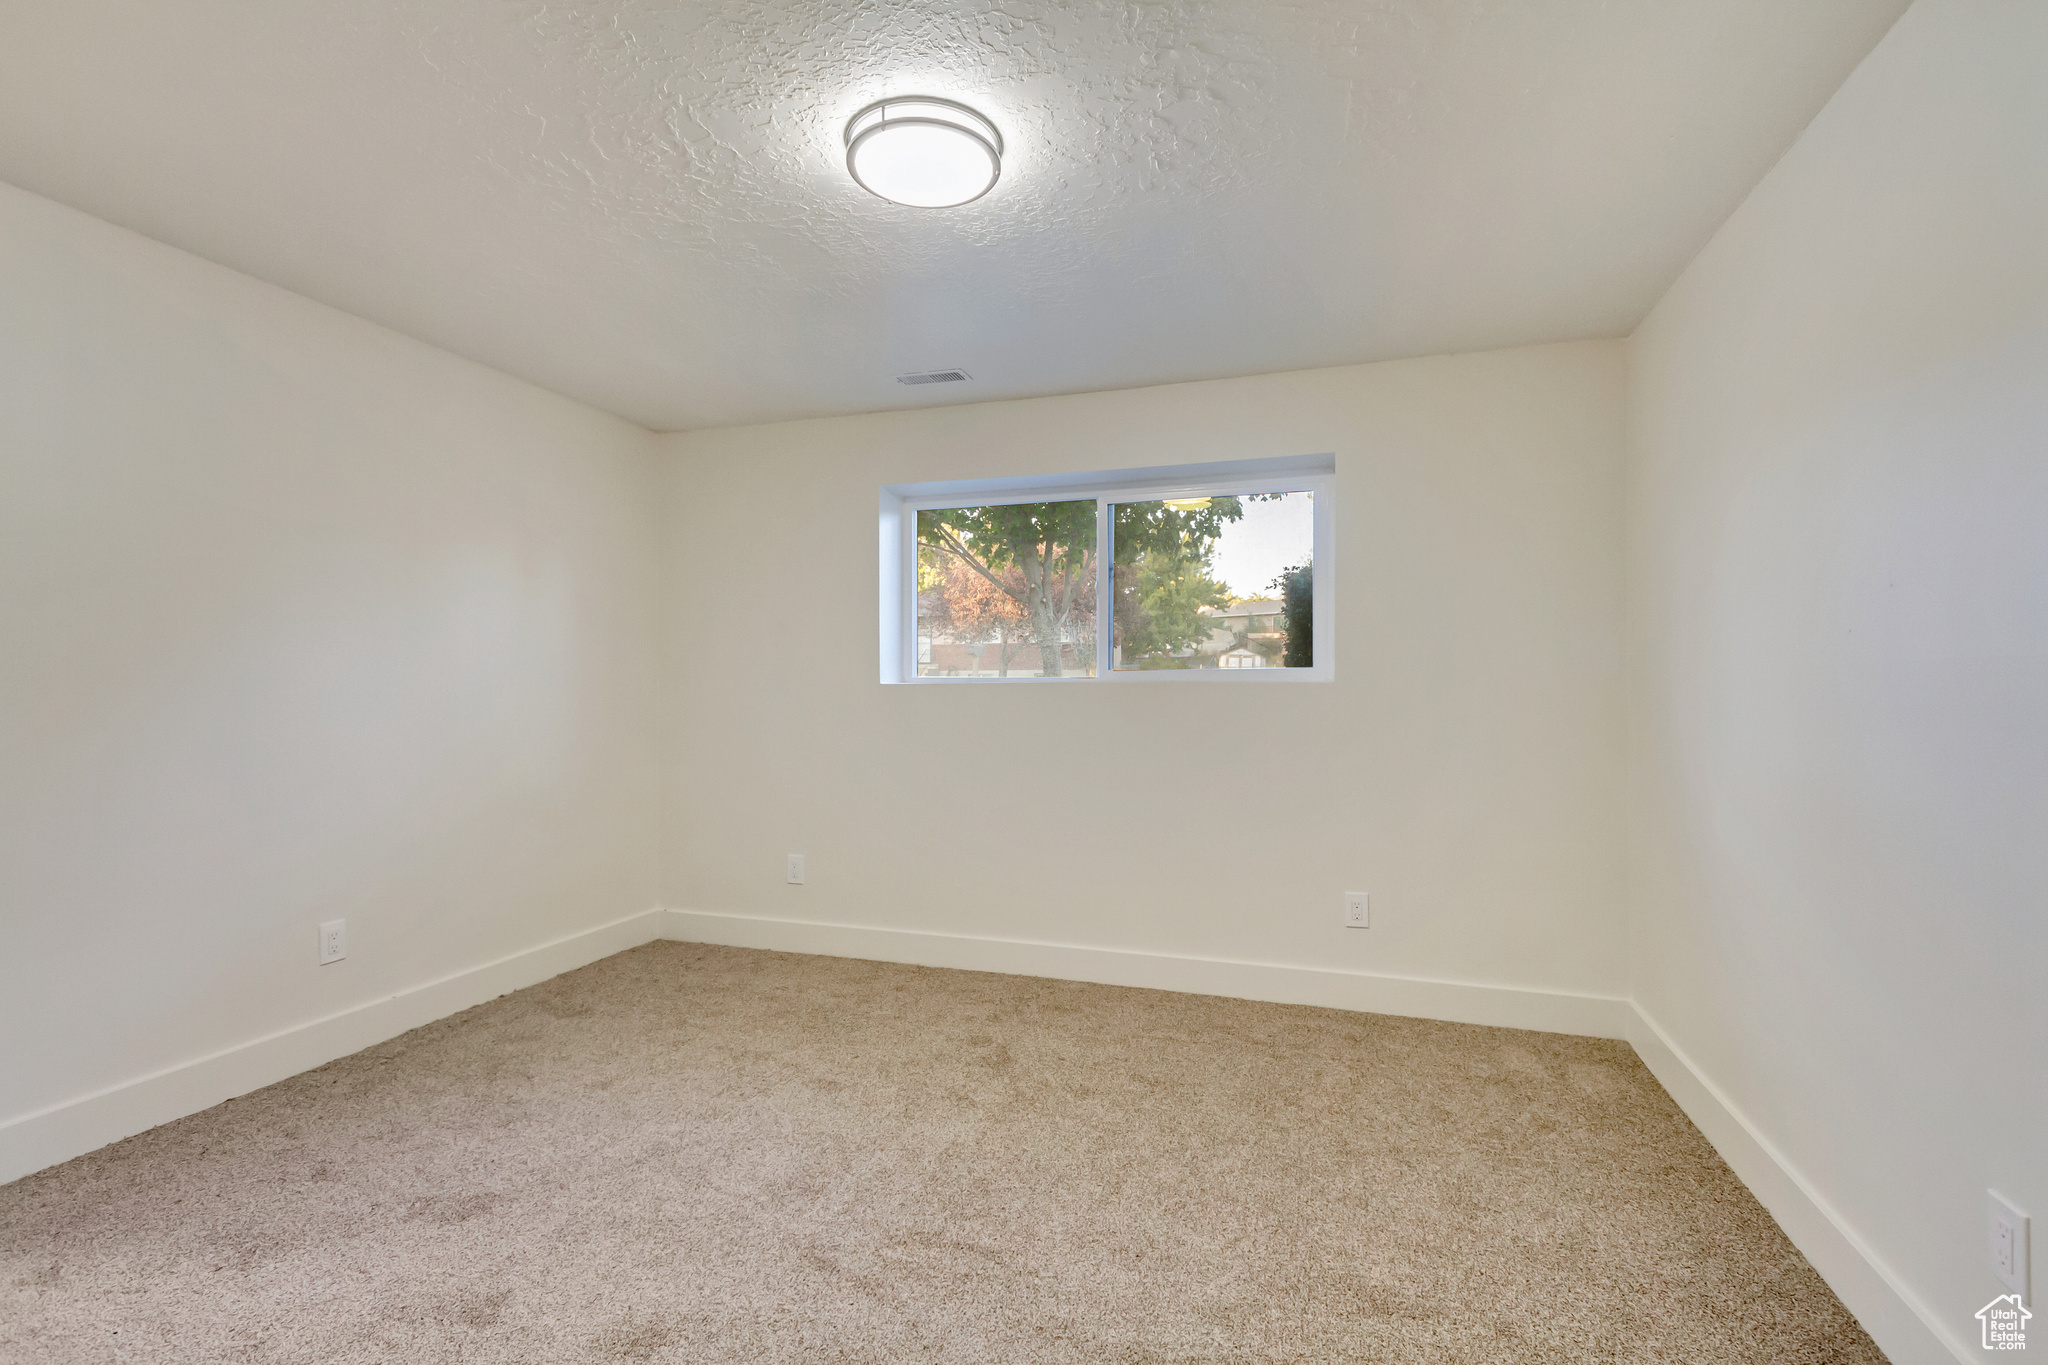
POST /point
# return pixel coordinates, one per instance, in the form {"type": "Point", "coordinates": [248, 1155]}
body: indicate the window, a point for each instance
{"type": "Point", "coordinates": [1007, 588]}
{"type": "Point", "coordinates": [1213, 571]}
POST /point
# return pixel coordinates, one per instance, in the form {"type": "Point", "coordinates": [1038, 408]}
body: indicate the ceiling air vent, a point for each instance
{"type": "Point", "coordinates": [934, 377]}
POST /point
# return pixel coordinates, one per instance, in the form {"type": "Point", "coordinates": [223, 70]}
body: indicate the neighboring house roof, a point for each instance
{"type": "Point", "coordinates": [1257, 606]}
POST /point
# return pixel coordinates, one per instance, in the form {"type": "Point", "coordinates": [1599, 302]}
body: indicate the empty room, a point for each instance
{"type": "Point", "coordinates": [1023, 681]}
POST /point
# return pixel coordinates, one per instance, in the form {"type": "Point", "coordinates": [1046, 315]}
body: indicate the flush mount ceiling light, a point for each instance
{"type": "Point", "coordinates": [924, 152]}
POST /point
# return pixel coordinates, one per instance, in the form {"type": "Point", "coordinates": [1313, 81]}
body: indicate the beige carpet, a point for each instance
{"type": "Point", "coordinates": [708, 1154]}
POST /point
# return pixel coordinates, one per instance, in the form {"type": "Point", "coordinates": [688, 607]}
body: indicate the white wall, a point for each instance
{"type": "Point", "coordinates": [1464, 767]}
{"type": "Point", "coordinates": [1838, 567]}
{"type": "Point", "coordinates": [299, 619]}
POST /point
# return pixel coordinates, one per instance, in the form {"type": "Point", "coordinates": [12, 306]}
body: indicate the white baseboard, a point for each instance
{"type": "Point", "coordinates": [1456, 1001]}
{"type": "Point", "coordinates": [44, 1138]}
{"type": "Point", "coordinates": [1901, 1325]}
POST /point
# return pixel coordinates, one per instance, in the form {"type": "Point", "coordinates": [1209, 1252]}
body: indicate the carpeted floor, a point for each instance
{"type": "Point", "coordinates": [707, 1154]}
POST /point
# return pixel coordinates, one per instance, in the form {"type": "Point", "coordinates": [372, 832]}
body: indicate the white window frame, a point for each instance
{"type": "Point", "coordinates": [901, 503]}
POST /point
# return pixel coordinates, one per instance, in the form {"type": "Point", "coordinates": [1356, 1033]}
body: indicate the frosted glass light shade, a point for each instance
{"type": "Point", "coordinates": [923, 152]}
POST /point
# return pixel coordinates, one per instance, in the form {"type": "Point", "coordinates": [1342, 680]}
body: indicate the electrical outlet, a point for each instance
{"type": "Point", "coordinates": [333, 941]}
{"type": "Point", "coordinates": [1354, 910]}
{"type": "Point", "coordinates": [796, 869]}
{"type": "Point", "coordinates": [2008, 1229]}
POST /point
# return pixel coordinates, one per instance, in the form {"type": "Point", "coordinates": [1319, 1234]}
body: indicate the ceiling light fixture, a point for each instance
{"type": "Point", "coordinates": [924, 152]}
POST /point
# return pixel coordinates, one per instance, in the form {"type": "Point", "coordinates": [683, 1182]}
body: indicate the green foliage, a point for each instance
{"type": "Point", "coordinates": [1059, 533]}
{"type": "Point", "coordinates": [1297, 588]}
{"type": "Point", "coordinates": [1159, 605]}
{"type": "Point", "coordinates": [1187, 531]}
{"type": "Point", "coordinates": [1162, 581]}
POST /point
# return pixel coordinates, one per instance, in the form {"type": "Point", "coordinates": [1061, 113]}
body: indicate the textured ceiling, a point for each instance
{"type": "Point", "coordinates": [645, 205]}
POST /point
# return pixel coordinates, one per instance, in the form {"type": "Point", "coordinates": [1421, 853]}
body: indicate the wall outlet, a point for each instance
{"type": "Point", "coordinates": [1354, 910]}
{"type": "Point", "coordinates": [333, 941]}
{"type": "Point", "coordinates": [796, 869]}
{"type": "Point", "coordinates": [2008, 1229]}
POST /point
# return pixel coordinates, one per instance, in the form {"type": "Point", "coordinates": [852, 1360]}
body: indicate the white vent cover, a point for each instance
{"type": "Point", "coordinates": [935, 377]}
